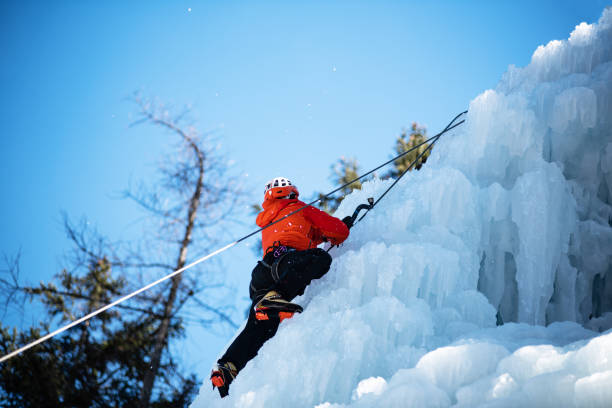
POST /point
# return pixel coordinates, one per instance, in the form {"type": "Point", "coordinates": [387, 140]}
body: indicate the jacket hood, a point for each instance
{"type": "Point", "coordinates": [271, 208]}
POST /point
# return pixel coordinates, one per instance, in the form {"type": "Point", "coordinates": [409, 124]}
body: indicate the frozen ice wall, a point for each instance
{"type": "Point", "coordinates": [538, 149]}
{"type": "Point", "coordinates": [509, 222]}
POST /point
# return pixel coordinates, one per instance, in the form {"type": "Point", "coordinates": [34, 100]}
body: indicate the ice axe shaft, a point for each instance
{"type": "Point", "coordinates": [360, 207]}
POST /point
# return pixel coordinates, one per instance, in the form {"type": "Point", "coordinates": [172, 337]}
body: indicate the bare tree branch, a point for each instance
{"type": "Point", "coordinates": [191, 205]}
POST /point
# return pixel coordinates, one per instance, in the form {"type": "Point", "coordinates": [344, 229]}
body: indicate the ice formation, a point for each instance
{"type": "Point", "coordinates": [485, 279]}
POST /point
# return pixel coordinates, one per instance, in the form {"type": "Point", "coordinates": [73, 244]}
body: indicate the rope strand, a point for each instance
{"type": "Point", "coordinates": [428, 148]}
{"type": "Point", "coordinates": [448, 127]}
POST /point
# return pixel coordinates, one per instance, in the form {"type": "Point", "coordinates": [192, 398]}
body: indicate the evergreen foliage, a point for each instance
{"type": "Point", "coordinates": [123, 357]}
{"type": "Point", "coordinates": [342, 172]}
{"type": "Point", "coordinates": [97, 364]}
{"type": "Point", "coordinates": [346, 170]}
{"type": "Point", "coordinates": [407, 141]}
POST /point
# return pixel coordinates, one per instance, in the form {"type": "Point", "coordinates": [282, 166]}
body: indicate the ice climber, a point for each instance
{"type": "Point", "coordinates": [291, 260]}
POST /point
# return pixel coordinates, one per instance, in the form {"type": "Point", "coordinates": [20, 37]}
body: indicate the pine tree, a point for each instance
{"type": "Point", "coordinates": [186, 205]}
{"type": "Point", "coordinates": [97, 364]}
{"type": "Point", "coordinates": [342, 172]}
{"type": "Point", "coordinates": [407, 141]}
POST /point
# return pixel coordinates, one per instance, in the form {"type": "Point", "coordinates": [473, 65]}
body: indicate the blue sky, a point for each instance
{"type": "Point", "coordinates": [288, 87]}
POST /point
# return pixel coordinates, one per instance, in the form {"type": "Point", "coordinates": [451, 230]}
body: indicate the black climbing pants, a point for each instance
{"type": "Point", "coordinates": [295, 271]}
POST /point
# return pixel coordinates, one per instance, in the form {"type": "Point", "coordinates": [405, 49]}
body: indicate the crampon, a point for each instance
{"type": "Point", "coordinates": [222, 377]}
{"type": "Point", "coordinates": [272, 305]}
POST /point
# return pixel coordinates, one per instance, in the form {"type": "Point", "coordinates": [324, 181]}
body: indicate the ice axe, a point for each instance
{"type": "Point", "coordinates": [350, 220]}
{"type": "Point", "coordinates": [360, 207]}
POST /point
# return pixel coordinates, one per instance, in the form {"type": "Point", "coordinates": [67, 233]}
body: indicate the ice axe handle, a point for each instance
{"type": "Point", "coordinates": [367, 206]}
{"type": "Point", "coordinates": [360, 207]}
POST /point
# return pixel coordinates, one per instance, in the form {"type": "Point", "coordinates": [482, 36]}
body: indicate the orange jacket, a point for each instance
{"type": "Point", "coordinates": [303, 230]}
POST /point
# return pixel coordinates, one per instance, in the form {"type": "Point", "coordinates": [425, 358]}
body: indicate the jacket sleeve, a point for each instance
{"type": "Point", "coordinates": [260, 219]}
{"type": "Point", "coordinates": [330, 227]}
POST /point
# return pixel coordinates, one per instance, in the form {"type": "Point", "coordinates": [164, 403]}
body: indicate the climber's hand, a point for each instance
{"type": "Point", "coordinates": [348, 220]}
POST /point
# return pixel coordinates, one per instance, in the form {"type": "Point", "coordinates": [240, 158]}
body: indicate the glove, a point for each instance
{"type": "Point", "coordinates": [348, 220]}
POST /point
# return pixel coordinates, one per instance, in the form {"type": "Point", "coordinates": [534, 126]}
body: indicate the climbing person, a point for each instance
{"type": "Point", "coordinates": [291, 260]}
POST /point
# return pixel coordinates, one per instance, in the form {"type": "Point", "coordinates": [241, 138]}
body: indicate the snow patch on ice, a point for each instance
{"type": "Point", "coordinates": [372, 385]}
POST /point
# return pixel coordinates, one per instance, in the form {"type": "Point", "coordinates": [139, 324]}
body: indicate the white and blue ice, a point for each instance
{"type": "Point", "coordinates": [509, 221]}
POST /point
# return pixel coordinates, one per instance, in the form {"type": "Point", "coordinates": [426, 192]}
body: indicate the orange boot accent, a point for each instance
{"type": "Point", "coordinates": [272, 305]}
{"type": "Point", "coordinates": [285, 315]}
{"type": "Point", "coordinates": [217, 379]}
{"type": "Point", "coordinates": [261, 314]}
{"type": "Point", "coordinates": [222, 377]}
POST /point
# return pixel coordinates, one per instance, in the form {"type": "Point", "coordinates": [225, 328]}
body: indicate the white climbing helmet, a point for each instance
{"type": "Point", "coordinates": [277, 182]}
{"type": "Point", "coordinates": [279, 187]}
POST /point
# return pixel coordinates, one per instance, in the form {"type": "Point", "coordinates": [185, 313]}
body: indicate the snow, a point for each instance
{"type": "Point", "coordinates": [509, 222]}
{"type": "Point", "coordinates": [372, 385]}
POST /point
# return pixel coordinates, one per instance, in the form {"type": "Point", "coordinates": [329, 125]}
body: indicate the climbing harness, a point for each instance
{"type": "Point", "coordinates": [368, 207]}
{"type": "Point", "coordinates": [279, 251]}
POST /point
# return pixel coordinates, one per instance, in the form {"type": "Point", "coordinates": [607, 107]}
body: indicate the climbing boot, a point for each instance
{"type": "Point", "coordinates": [223, 376]}
{"type": "Point", "coordinates": [273, 305]}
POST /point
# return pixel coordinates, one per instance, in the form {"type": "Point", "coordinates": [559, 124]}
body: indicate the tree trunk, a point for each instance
{"type": "Point", "coordinates": [162, 333]}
